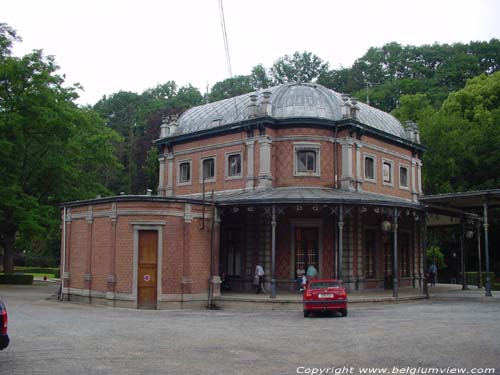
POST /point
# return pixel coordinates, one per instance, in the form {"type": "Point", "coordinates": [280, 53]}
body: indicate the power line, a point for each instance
{"type": "Point", "coordinates": [224, 35]}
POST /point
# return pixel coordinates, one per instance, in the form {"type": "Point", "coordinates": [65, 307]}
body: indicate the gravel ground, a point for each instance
{"type": "Point", "coordinates": [49, 337]}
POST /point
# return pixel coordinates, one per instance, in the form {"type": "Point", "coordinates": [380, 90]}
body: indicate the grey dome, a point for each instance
{"type": "Point", "coordinates": [291, 100]}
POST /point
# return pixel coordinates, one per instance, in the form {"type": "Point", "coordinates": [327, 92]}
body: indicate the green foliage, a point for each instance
{"type": "Point", "coordinates": [16, 279]}
{"type": "Point", "coordinates": [230, 87]}
{"type": "Point", "coordinates": [434, 254]}
{"type": "Point", "coordinates": [299, 67]}
{"type": "Point", "coordinates": [385, 73]}
{"type": "Point", "coordinates": [51, 150]}
{"type": "Point", "coordinates": [472, 278]}
{"type": "Point", "coordinates": [462, 138]}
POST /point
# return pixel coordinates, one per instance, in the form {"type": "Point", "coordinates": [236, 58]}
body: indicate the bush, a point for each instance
{"type": "Point", "coordinates": [14, 278]}
{"type": "Point", "coordinates": [57, 274]}
{"type": "Point", "coordinates": [496, 286]}
{"type": "Point", "coordinates": [47, 270]}
{"type": "Point", "coordinates": [472, 278]}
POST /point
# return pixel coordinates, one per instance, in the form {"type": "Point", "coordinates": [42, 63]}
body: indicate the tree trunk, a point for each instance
{"type": "Point", "coordinates": [8, 252]}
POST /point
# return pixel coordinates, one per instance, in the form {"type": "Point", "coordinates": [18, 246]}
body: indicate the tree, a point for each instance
{"type": "Point", "coordinates": [300, 67]}
{"type": "Point", "coordinates": [51, 150]}
{"type": "Point", "coordinates": [230, 87]}
{"type": "Point", "coordinates": [259, 79]}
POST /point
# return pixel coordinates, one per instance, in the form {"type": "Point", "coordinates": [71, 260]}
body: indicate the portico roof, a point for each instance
{"type": "Point", "coordinates": [307, 195]}
{"type": "Point", "coordinates": [465, 200]}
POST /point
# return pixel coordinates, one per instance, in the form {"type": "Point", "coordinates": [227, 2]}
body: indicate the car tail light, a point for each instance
{"type": "Point", "coordinates": [308, 293]}
{"type": "Point", "coordinates": [3, 328]}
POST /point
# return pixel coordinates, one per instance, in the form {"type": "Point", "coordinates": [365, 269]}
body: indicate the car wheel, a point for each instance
{"type": "Point", "coordinates": [343, 312]}
{"type": "Point", "coordinates": [306, 313]}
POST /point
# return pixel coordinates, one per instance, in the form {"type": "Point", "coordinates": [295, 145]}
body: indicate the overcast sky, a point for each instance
{"type": "Point", "coordinates": [112, 45]}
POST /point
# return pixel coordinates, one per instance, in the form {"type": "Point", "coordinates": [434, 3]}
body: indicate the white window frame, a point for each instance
{"type": "Point", "coordinates": [211, 179]}
{"type": "Point", "coordinates": [391, 163]}
{"type": "Point", "coordinates": [227, 156]}
{"type": "Point", "coordinates": [374, 158]}
{"type": "Point", "coordinates": [179, 163]}
{"type": "Point", "coordinates": [407, 167]}
{"type": "Point", "coordinates": [306, 146]}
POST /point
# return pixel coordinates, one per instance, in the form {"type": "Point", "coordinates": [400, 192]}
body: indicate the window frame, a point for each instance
{"type": "Point", "coordinates": [202, 161]}
{"type": "Point", "coordinates": [179, 172]}
{"type": "Point", "coordinates": [391, 172]}
{"type": "Point", "coordinates": [374, 158]}
{"type": "Point", "coordinates": [306, 147]}
{"type": "Point", "coordinates": [407, 167]}
{"type": "Point", "coordinates": [227, 157]}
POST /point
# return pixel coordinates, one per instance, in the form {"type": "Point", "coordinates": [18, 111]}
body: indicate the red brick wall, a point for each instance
{"type": "Point", "coordinates": [282, 161]}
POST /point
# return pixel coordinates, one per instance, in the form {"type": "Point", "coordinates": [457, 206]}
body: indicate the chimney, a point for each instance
{"type": "Point", "coordinates": [416, 132]}
{"type": "Point", "coordinates": [409, 130]}
{"type": "Point", "coordinates": [346, 107]}
{"type": "Point", "coordinates": [173, 125]}
{"type": "Point", "coordinates": [252, 107]}
{"type": "Point", "coordinates": [164, 127]}
{"type": "Point", "coordinates": [354, 108]}
{"type": "Point", "coordinates": [265, 105]}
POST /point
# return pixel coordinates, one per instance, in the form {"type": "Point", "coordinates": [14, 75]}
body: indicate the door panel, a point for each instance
{"type": "Point", "coordinates": [147, 269]}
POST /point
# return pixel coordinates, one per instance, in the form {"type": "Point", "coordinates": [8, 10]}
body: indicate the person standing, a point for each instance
{"type": "Point", "coordinates": [433, 274]}
{"type": "Point", "coordinates": [259, 272]}
{"type": "Point", "coordinates": [312, 272]}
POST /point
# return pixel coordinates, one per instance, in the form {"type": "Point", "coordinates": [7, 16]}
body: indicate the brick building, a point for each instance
{"type": "Point", "coordinates": [286, 177]}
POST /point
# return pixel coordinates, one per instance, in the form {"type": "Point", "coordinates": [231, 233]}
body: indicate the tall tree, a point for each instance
{"type": "Point", "coordinates": [299, 67]}
{"type": "Point", "coordinates": [230, 87]}
{"type": "Point", "coordinates": [51, 150]}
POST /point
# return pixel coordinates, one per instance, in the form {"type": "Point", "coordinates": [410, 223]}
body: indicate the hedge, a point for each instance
{"type": "Point", "coordinates": [14, 278]}
{"type": "Point", "coordinates": [472, 278]}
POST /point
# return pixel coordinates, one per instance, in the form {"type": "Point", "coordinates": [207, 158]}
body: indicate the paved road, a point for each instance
{"type": "Point", "coordinates": [50, 337]}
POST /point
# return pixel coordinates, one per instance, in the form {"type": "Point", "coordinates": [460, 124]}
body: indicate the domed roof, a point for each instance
{"type": "Point", "coordinates": [287, 101]}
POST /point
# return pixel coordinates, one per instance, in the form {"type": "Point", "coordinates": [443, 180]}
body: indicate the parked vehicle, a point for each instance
{"type": "Point", "coordinates": [4, 337]}
{"type": "Point", "coordinates": [327, 296]}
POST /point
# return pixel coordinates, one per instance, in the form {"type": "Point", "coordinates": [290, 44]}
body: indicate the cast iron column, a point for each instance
{"type": "Point", "coordinates": [486, 248]}
{"type": "Point", "coordinates": [480, 266]}
{"type": "Point", "coordinates": [424, 254]}
{"type": "Point", "coordinates": [462, 257]}
{"type": "Point", "coordinates": [341, 226]}
{"type": "Point", "coordinates": [273, 252]}
{"type": "Point", "coordinates": [395, 255]}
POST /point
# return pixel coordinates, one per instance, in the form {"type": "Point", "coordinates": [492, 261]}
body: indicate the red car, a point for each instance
{"type": "Point", "coordinates": [4, 337]}
{"type": "Point", "coordinates": [325, 296]}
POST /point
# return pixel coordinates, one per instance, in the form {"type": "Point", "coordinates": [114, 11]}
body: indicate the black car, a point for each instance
{"type": "Point", "coordinates": [4, 337]}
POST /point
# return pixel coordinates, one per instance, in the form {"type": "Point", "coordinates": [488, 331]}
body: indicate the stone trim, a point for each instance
{"type": "Point", "coordinates": [307, 146]}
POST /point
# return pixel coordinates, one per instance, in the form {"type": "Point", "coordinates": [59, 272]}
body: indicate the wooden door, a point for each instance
{"type": "Point", "coordinates": [147, 269]}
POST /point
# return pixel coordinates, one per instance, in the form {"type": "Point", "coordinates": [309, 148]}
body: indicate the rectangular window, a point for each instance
{"type": "Point", "coordinates": [184, 172]}
{"type": "Point", "coordinates": [306, 248]}
{"type": "Point", "coordinates": [234, 165]}
{"type": "Point", "coordinates": [306, 161]}
{"type": "Point", "coordinates": [370, 253]}
{"type": "Point", "coordinates": [403, 176]}
{"type": "Point", "coordinates": [387, 172]}
{"type": "Point", "coordinates": [369, 168]}
{"type": "Point", "coordinates": [208, 169]}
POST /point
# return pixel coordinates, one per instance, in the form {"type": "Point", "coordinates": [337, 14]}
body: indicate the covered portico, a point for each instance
{"type": "Point", "coordinates": [462, 207]}
{"type": "Point", "coordinates": [369, 241]}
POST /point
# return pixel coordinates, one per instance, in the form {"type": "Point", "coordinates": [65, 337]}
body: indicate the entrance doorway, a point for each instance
{"type": "Point", "coordinates": [306, 248]}
{"type": "Point", "coordinates": [147, 269]}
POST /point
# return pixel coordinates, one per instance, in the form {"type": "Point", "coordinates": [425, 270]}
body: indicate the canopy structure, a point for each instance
{"type": "Point", "coordinates": [465, 203]}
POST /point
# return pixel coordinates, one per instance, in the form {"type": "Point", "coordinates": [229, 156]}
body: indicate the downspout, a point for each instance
{"type": "Point", "coordinates": [335, 155]}
{"type": "Point", "coordinates": [63, 254]}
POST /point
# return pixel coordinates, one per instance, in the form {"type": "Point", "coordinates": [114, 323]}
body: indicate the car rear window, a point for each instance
{"type": "Point", "coordinates": [324, 284]}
